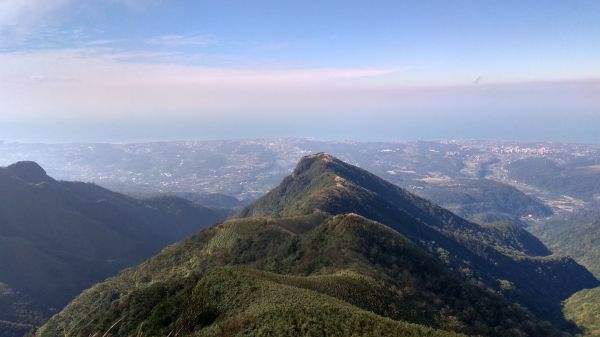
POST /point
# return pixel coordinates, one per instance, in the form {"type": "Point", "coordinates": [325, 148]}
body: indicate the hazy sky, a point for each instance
{"type": "Point", "coordinates": [130, 70]}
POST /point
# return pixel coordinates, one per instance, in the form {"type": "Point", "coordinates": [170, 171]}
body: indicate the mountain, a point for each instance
{"type": "Point", "coordinates": [338, 250]}
{"type": "Point", "coordinates": [58, 238]}
{"type": "Point", "coordinates": [505, 258]}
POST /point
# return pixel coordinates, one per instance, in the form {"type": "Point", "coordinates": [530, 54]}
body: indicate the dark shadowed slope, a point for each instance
{"type": "Point", "coordinates": [578, 235]}
{"type": "Point", "coordinates": [57, 238]}
{"type": "Point", "coordinates": [504, 257]}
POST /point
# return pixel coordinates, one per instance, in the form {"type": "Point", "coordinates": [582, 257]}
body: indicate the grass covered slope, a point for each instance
{"type": "Point", "coordinates": [344, 275]}
{"type": "Point", "coordinates": [238, 302]}
{"type": "Point", "coordinates": [503, 257]}
{"type": "Point", "coordinates": [58, 238]}
{"type": "Point", "coordinates": [584, 309]}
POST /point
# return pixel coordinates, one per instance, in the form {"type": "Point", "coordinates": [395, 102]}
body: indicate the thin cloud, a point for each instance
{"type": "Point", "coordinates": [101, 42]}
{"type": "Point", "coordinates": [181, 40]}
{"type": "Point", "coordinates": [22, 17]}
{"type": "Point", "coordinates": [18, 13]}
{"type": "Point", "coordinates": [138, 4]}
{"type": "Point", "coordinates": [279, 46]}
{"type": "Point", "coordinates": [48, 79]}
{"type": "Point", "coordinates": [86, 82]}
{"type": "Point", "coordinates": [99, 84]}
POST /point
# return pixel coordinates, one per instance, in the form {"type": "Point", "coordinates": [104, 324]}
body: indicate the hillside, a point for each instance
{"type": "Point", "coordinates": [504, 258]}
{"type": "Point", "coordinates": [583, 308]}
{"type": "Point", "coordinates": [577, 235]}
{"type": "Point", "coordinates": [345, 275]}
{"type": "Point", "coordinates": [314, 255]}
{"type": "Point", "coordinates": [58, 238]}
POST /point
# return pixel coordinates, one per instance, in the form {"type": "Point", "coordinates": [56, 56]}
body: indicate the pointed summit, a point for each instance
{"type": "Point", "coordinates": [323, 182]}
{"type": "Point", "coordinates": [307, 162]}
{"type": "Point", "coordinates": [29, 171]}
{"type": "Point", "coordinates": [324, 161]}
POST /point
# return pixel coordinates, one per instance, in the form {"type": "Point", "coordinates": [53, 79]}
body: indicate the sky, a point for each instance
{"type": "Point", "coordinates": [146, 70]}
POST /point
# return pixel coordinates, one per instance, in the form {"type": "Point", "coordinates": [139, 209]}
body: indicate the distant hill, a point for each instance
{"type": "Point", "coordinates": [485, 201]}
{"type": "Point", "coordinates": [58, 238]}
{"type": "Point", "coordinates": [334, 249]}
{"type": "Point", "coordinates": [213, 200]}
{"type": "Point", "coordinates": [579, 177]}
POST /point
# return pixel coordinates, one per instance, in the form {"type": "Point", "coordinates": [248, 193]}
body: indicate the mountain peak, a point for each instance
{"type": "Point", "coordinates": [309, 161]}
{"type": "Point", "coordinates": [322, 182]}
{"type": "Point", "coordinates": [321, 156]}
{"type": "Point", "coordinates": [29, 171]}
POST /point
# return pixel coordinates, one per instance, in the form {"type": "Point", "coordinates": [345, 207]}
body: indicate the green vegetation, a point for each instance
{"type": "Point", "coordinates": [238, 302]}
{"type": "Point", "coordinates": [509, 238]}
{"type": "Point", "coordinates": [341, 274]}
{"type": "Point", "coordinates": [584, 309]}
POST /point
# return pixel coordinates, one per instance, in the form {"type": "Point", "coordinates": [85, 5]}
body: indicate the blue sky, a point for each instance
{"type": "Point", "coordinates": [130, 70]}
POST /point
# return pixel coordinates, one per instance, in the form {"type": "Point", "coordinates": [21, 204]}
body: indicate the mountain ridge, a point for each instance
{"type": "Point", "coordinates": [327, 218]}
{"type": "Point", "coordinates": [327, 249]}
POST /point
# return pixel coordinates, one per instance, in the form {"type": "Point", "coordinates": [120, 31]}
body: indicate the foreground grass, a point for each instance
{"type": "Point", "coordinates": [236, 301]}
